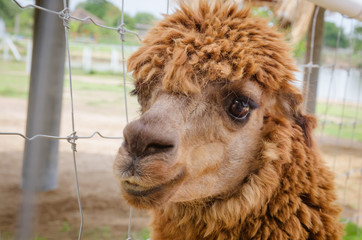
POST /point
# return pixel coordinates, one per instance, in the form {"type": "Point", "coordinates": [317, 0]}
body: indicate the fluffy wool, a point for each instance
{"type": "Point", "coordinates": [289, 192]}
{"type": "Point", "coordinates": [192, 47]}
{"type": "Point", "coordinates": [291, 197]}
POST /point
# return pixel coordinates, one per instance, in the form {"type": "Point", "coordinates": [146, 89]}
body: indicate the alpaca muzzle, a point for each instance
{"type": "Point", "coordinates": [147, 160]}
{"type": "Point", "coordinates": [142, 139]}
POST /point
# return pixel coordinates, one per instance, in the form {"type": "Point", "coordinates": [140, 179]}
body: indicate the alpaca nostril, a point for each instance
{"type": "Point", "coordinates": [144, 139]}
{"type": "Point", "coordinates": [154, 148]}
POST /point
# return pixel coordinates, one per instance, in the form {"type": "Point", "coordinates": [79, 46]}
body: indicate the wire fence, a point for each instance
{"type": "Point", "coordinates": [341, 122]}
{"type": "Point", "coordinates": [65, 16]}
{"type": "Point", "coordinates": [352, 170]}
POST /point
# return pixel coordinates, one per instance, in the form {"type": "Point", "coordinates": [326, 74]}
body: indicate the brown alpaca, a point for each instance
{"type": "Point", "coordinates": [222, 149]}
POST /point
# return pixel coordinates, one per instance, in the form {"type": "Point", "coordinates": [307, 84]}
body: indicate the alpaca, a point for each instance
{"type": "Point", "coordinates": [223, 149]}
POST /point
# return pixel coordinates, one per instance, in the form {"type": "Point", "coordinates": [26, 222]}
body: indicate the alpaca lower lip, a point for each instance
{"type": "Point", "coordinates": [138, 190]}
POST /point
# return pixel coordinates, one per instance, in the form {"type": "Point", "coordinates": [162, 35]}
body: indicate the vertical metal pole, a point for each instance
{"type": "Point", "coordinates": [313, 55]}
{"type": "Point", "coordinates": [45, 96]}
{"type": "Point", "coordinates": [40, 161]}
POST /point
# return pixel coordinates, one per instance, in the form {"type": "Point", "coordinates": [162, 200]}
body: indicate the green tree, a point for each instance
{"type": "Point", "coordinates": [8, 10]}
{"type": "Point", "coordinates": [358, 38]}
{"type": "Point", "coordinates": [96, 7]}
{"type": "Point", "coordinates": [330, 36]}
{"type": "Point", "coordinates": [102, 9]}
{"type": "Point", "coordinates": [26, 21]}
{"type": "Point", "coordinates": [144, 18]}
{"type": "Point", "coordinates": [128, 21]}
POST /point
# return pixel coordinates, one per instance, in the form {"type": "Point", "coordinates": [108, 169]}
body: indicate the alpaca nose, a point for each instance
{"type": "Point", "coordinates": [144, 139]}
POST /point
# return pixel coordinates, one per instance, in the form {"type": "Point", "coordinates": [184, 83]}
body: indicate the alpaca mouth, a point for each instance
{"type": "Point", "coordinates": [138, 190]}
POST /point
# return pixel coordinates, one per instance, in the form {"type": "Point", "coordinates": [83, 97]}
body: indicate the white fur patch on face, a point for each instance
{"type": "Point", "coordinates": [271, 153]}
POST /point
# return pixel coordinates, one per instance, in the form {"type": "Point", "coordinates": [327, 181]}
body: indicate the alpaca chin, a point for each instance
{"type": "Point", "coordinates": [150, 197]}
{"type": "Point", "coordinates": [149, 181]}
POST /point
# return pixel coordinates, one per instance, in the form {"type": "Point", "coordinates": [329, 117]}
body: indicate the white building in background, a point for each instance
{"type": "Point", "coordinates": [7, 43]}
{"type": "Point", "coordinates": [2, 28]}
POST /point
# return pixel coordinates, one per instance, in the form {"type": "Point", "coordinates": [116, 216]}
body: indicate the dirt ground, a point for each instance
{"type": "Point", "coordinates": [105, 213]}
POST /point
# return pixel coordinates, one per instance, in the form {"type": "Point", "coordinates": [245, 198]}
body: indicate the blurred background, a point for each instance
{"type": "Point", "coordinates": [38, 198]}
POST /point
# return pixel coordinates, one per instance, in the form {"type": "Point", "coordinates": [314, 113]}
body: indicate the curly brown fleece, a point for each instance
{"type": "Point", "coordinates": [290, 194]}
{"type": "Point", "coordinates": [297, 202]}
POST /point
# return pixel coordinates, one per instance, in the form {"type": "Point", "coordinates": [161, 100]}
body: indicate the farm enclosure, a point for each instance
{"type": "Point", "coordinates": [99, 106]}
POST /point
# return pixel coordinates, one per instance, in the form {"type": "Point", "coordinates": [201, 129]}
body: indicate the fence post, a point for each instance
{"type": "Point", "coordinates": [87, 59]}
{"type": "Point", "coordinates": [29, 49]}
{"type": "Point", "coordinates": [6, 50]}
{"type": "Point", "coordinates": [45, 95]}
{"type": "Point", "coordinates": [40, 161]}
{"type": "Point", "coordinates": [310, 89]}
{"type": "Point", "coordinates": [114, 61]}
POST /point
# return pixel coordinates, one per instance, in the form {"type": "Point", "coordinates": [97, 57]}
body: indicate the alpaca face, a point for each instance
{"type": "Point", "coordinates": [222, 149]}
{"type": "Point", "coordinates": [206, 78]}
{"type": "Point", "coordinates": [191, 148]}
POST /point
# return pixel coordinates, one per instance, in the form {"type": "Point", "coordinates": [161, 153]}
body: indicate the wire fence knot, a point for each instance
{"type": "Point", "coordinates": [121, 31]}
{"type": "Point", "coordinates": [65, 16]}
{"type": "Point", "coordinates": [71, 139]}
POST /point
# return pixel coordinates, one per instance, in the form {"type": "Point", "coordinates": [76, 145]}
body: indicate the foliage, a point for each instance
{"type": "Point", "coordinates": [144, 234]}
{"type": "Point", "coordinates": [262, 12]}
{"type": "Point", "coordinates": [330, 36]}
{"type": "Point", "coordinates": [144, 18]}
{"type": "Point", "coordinates": [66, 227]}
{"type": "Point", "coordinates": [358, 30]}
{"type": "Point", "coordinates": [26, 21]}
{"type": "Point", "coordinates": [99, 8]}
{"type": "Point", "coordinates": [39, 238]}
{"type": "Point", "coordinates": [8, 10]}
{"type": "Point", "coordinates": [300, 48]}
{"type": "Point", "coordinates": [103, 9]}
{"type": "Point", "coordinates": [111, 15]}
{"type": "Point", "coordinates": [335, 111]}
{"type": "Point", "coordinates": [351, 232]}
{"type": "Point", "coordinates": [358, 38]}
{"type": "Point", "coordinates": [128, 21]}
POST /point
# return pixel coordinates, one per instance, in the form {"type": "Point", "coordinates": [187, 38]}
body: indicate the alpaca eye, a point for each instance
{"type": "Point", "coordinates": [239, 109]}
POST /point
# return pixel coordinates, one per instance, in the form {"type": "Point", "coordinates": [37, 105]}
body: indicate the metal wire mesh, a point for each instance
{"type": "Point", "coordinates": [72, 138]}
{"type": "Point", "coordinates": [65, 16]}
{"type": "Point", "coordinates": [342, 122]}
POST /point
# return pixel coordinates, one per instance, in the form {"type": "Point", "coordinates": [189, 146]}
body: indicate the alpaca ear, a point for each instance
{"type": "Point", "coordinates": [291, 103]}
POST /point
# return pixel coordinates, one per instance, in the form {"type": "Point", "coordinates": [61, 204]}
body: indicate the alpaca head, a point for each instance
{"type": "Point", "coordinates": [206, 77]}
